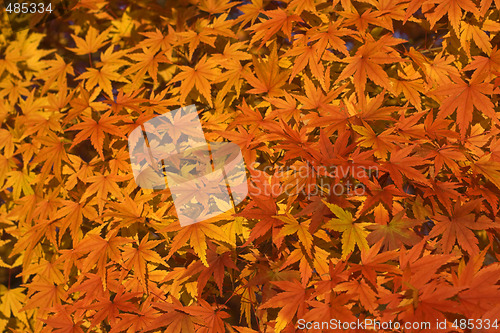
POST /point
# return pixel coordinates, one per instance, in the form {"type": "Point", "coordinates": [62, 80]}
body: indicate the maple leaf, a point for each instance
{"type": "Point", "coordinates": [92, 42]}
{"type": "Point", "coordinates": [489, 169]}
{"type": "Point", "coordinates": [269, 78]}
{"type": "Point", "coordinates": [137, 258]}
{"type": "Point", "coordinates": [52, 155]}
{"type": "Point", "coordinates": [484, 66]}
{"type": "Point", "coordinates": [363, 292]}
{"type": "Point", "coordinates": [369, 109]}
{"type": "Point", "coordinates": [200, 35]}
{"type": "Point", "coordinates": [99, 250]}
{"type": "Point", "coordinates": [71, 215]}
{"type": "Point", "coordinates": [138, 321]}
{"type": "Point", "coordinates": [62, 322]}
{"type": "Point", "coordinates": [336, 307]}
{"type": "Point", "coordinates": [7, 143]}
{"type": "Point", "coordinates": [102, 78]}
{"type": "Point", "coordinates": [292, 226]}
{"type": "Point", "coordinates": [458, 227]}
{"type": "Point", "coordinates": [295, 140]}
{"type": "Point", "coordinates": [292, 301]}
{"type": "Point", "coordinates": [440, 69]}
{"type": "Point", "coordinates": [470, 32]}
{"type": "Point", "coordinates": [212, 316]}
{"type": "Point", "coordinates": [157, 40]}
{"type": "Point", "coordinates": [196, 234]}
{"type": "Point", "coordinates": [264, 209]}
{"type": "Point", "coordinates": [148, 62]}
{"type": "Point", "coordinates": [12, 301]}
{"type": "Point", "coordinates": [305, 55]}
{"type": "Point", "coordinates": [366, 64]}
{"type": "Point", "coordinates": [463, 97]}
{"type": "Point", "coordinates": [315, 99]}
{"type": "Point", "coordinates": [217, 264]}
{"type": "Point", "coordinates": [83, 104]}
{"type": "Point", "coordinates": [380, 195]}
{"type": "Point", "coordinates": [199, 77]}
{"type": "Point", "coordinates": [331, 36]}
{"type": "Point", "coordinates": [401, 164]}
{"type": "Point", "coordinates": [478, 286]}
{"type": "Point", "coordinates": [95, 130]}
{"type": "Point", "coordinates": [109, 308]}
{"type": "Point", "coordinates": [57, 73]}
{"type": "Point", "coordinates": [174, 317]}
{"type": "Point", "coordinates": [278, 20]}
{"type": "Point", "coordinates": [381, 144]}
{"type": "Point", "coordinates": [250, 12]}
{"type": "Point", "coordinates": [454, 10]}
{"type": "Point", "coordinates": [285, 109]}
{"type": "Point", "coordinates": [20, 181]}
{"type": "Point", "coordinates": [362, 20]}
{"type": "Point", "coordinates": [88, 284]}
{"type": "Point", "coordinates": [305, 268]}
{"type": "Point", "coordinates": [44, 294]}
{"type": "Point", "coordinates": [438, 128]}
{"type": "Point", "coordinates": [445, 192]}
{"type": "Point", "coordinates": [352, 233]}
{"type": "Point", "coordinates": [103, 185]}
{"type": "Point", "coordinates": [395, 233]}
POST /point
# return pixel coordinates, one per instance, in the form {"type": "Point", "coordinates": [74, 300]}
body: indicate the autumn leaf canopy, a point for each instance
{"type": "Point", "coordinates": [370, 135]}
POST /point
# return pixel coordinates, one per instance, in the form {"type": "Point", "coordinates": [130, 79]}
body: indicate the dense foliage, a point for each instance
{"type": "Point", "coordinates": [369, 129]}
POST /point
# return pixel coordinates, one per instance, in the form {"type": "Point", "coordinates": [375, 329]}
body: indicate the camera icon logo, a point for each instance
{"type": "Point", "coordinates": [205, 179]}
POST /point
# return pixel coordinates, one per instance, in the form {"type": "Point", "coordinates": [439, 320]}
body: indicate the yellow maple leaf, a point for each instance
{"type": "Point", "coordinates": [292, 226]}
{"type": "Point", "coordinates": [91, 43]}
{"type": "Point", "coordinates": [11, 300]}
{"type": "Point", "coordinates": [352, 233]}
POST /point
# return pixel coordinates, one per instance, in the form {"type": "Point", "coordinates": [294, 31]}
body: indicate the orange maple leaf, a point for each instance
{"type": "Point", "coordinates": [95, 130]}
{"type": "Point", "coordinates": [366, 63]}
{"type": "Point", "coordinates": [463, 97]}
{"type": "Point", "coordinates": [291, 301]}
{"type": "Point", "coordinates": [199, 77]}
{"type": "Point", "coordinates": [401, 164]}
{"type": "Point", "coordinates": [269, 78]}
{"type": "Point", "coordinates": [459, 226]}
